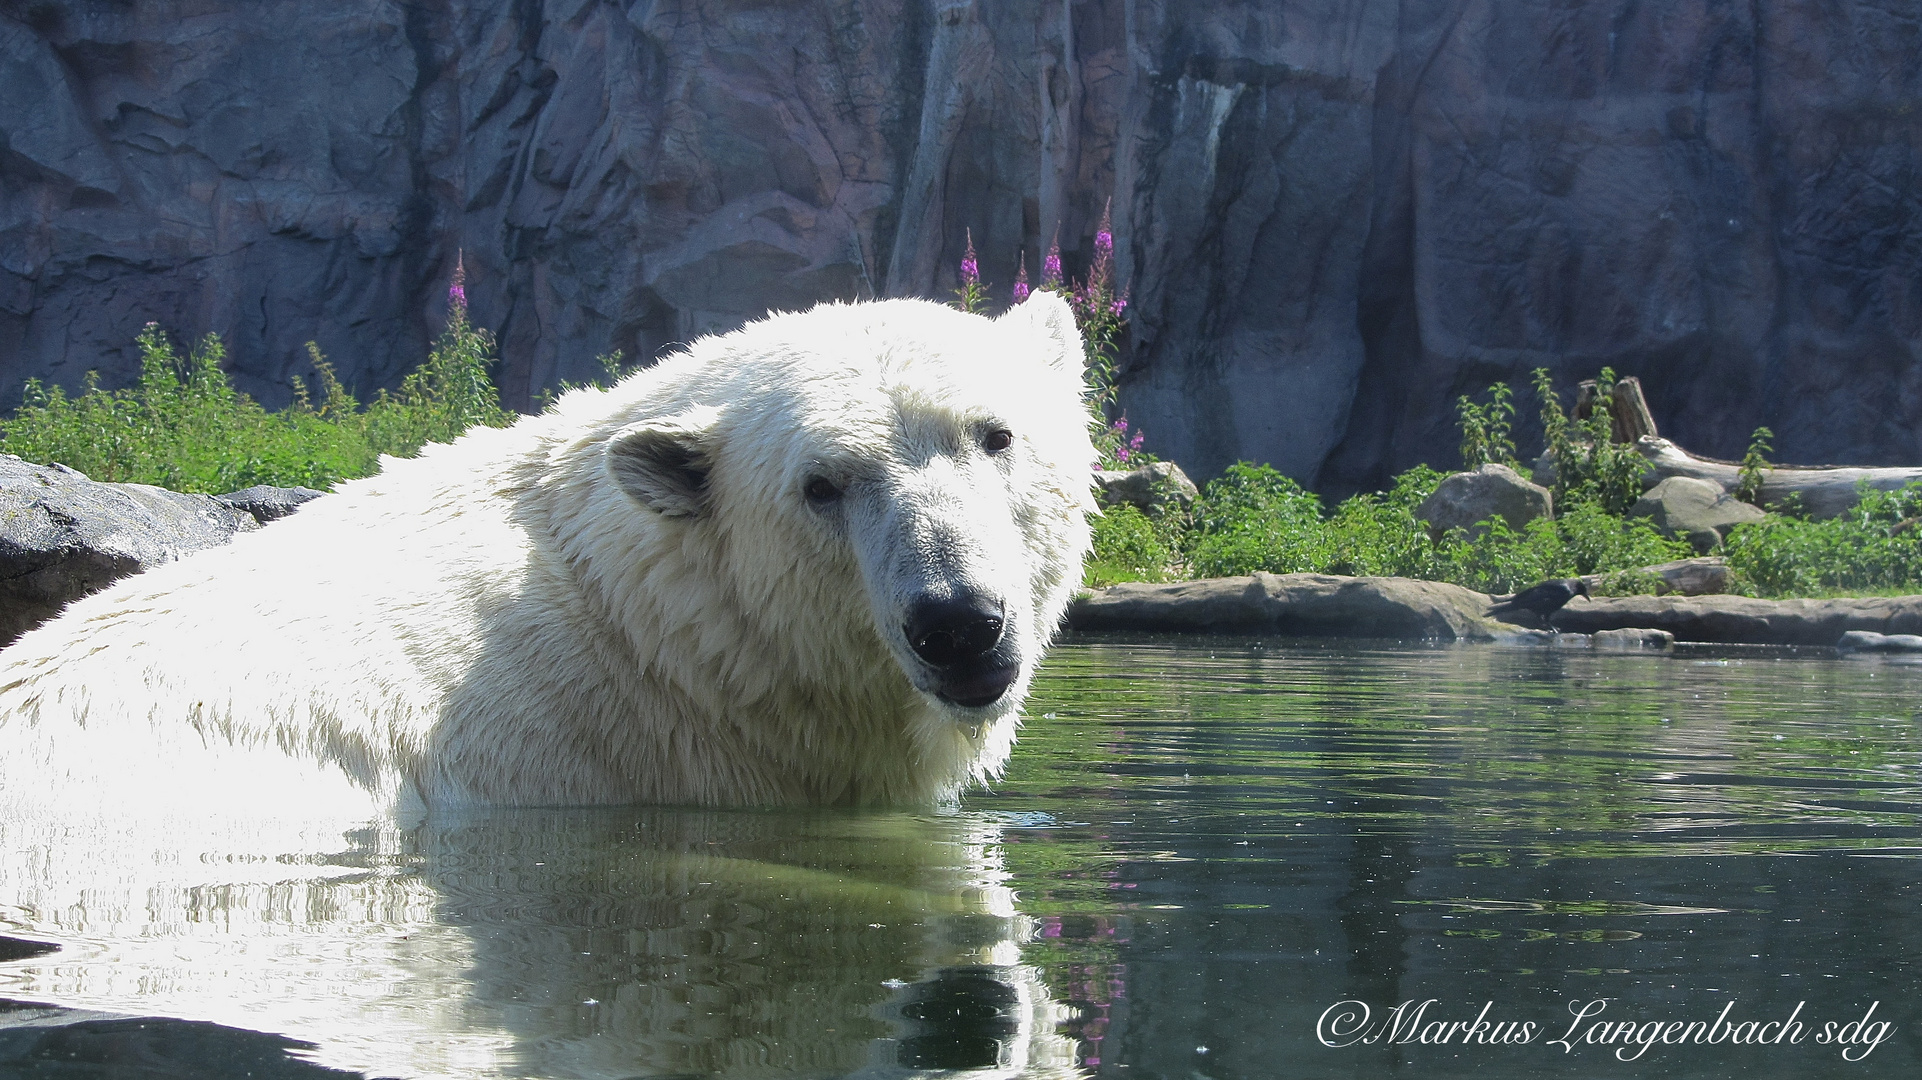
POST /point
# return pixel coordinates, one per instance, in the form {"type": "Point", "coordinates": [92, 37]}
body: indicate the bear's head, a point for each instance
{"type": "Point", "coordinates": [868, 508]}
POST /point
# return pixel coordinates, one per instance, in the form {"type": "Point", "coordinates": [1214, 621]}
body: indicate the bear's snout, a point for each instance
{"type": "Point", "coordinates": [957, 638]}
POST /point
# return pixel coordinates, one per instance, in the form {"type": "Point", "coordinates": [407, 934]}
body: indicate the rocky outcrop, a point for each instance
{"type": "Point", "coordinates": [1694, 510]}
{"type": "Point", "coordinates": [1465, 499]}
{"type": "Point", "coordinates": [1333, 219]}
{"type": "Point", "coordinates": [1743, 619]}
{"type": "Point", "coordinates": [1147, 487]}
{"type": "Point", "coordinates": [265, 503]}
{"type": "Point", "coordinates": [1318, 605]}
{"type": "Point", "coordinates": [63, 536]}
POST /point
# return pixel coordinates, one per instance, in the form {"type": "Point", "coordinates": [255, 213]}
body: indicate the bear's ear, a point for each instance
{"type": "Point", "coordinates": [1047, 316]}
{"type": "Point", "coordinates": [663, 463]}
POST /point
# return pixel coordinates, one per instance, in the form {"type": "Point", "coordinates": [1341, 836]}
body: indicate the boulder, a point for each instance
{"type": "Point", "coordinates": [1705, 575]}
{"type": "Point", "coordinates": [1694, 510]}
{"type": "Point", "coordinates": [1319, 605]}
{"type": "Point", "coordinates": [1744, 619]}
{"type": "Point", "coordinates": [267, 503]}
{"type": "Point", "coordinates": [1467, 498]}
{"type": "Point", "coordinates": [63, 536]}
{"type": "Point", "coordinates": [1147, 487]}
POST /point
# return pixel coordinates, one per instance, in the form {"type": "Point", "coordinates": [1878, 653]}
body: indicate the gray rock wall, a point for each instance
{"type": "Point", "coordinates": [1334, 216]}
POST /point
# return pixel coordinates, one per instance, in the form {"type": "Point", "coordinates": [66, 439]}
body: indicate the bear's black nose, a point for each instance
{"type": "Point", "coordinates": [950, 632]}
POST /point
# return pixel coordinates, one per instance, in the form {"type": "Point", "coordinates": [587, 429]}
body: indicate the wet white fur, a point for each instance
{"type": "Point", "coordinates": [500, 622]}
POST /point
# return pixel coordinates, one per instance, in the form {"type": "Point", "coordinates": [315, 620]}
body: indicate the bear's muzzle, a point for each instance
{"type": "Point", "coordinates": [958, 637]}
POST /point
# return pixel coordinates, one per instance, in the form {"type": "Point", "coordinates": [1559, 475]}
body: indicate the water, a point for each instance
{"type": "Point", "coordinates": [1208, 860]}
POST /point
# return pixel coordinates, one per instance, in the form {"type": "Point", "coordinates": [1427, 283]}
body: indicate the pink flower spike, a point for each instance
{"type": "Point", "coordinates": [457, 286]}
{"type": "Point", "coordinates": [1104, 233]}
{"type": "Point", "coordinates": [1051, 266]}
{"type": "Point", "coordinates": [1021, 289]}
{"type": "Point", "coordinates": [970, 267]}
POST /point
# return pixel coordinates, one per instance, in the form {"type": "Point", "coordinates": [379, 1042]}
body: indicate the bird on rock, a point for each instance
{"type": "Point", "coordinates": [1541, 600]}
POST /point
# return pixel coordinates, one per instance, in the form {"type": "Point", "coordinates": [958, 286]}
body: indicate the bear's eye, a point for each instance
{"type": "Point", "coordinates": [998, 441]}
{"type": "Point", "coordinates": [821, 491]}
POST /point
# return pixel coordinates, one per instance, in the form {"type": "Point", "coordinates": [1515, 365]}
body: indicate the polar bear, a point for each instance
{"type": "Point", "coordinates": [811, 562]}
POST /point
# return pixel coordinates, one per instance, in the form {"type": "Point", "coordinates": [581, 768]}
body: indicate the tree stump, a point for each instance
{"type": "Point", "coordinates": [1629, 418]}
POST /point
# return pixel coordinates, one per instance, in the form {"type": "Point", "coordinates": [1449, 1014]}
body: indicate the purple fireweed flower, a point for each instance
{"type": "Point", "coordinates": [970, 267]}
{"type": "Point", "coordinates": [1121, 455]}
{"type": "Point", "coordinates": [1021, 289]}
{"type": "Point", "coordinates": [1051, 266]}
{"type": "Point", "coordinates": [457, 286]}
{"type": "Point", "coordinates": [1101, 270]}
{"type": "Point", "coordinates": [1121, 424]}
{"type": "Point", "coordinates": [1120, 305]}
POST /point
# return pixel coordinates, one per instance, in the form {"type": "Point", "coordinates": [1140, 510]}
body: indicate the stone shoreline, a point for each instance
{"type": "Point", "coordinates": [1323, 605]}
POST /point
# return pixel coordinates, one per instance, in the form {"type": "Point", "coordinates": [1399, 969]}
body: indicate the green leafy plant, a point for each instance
{"type": "Point", "coordinates": [1377, 533]}
{"type": "Point", "coordinates": [1875, 548]}
{"type": "Point", "coordinates": [1755, 467]}
{"type": "Point", "coordinates": [1589, 465]}
{"type": "Point", "coordinates": [1128, 546]}
{"type": "Point", "coordinates": [1488, 429]}
{"type": "Point", "coordinates": [1253, 518]}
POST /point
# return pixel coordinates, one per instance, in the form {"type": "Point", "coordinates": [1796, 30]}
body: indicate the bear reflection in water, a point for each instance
{"type": "Point", "coordinates": [596, 943]}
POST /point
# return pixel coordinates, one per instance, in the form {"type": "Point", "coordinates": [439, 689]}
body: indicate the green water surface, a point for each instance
{"type": "Point", "coordinates": [1209, 859]}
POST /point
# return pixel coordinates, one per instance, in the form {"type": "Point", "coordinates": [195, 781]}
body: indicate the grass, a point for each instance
{"type": "Point", "coordinates": [183, 426]}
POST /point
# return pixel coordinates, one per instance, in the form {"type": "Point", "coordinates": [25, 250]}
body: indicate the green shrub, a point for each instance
{"type": "Point", "coordinates": [1876, 547]}
{"type": "Point", "coordinates": [183, 426]}
{"type": "Point", "coordinates": [1586, 540]}
{"type": "Point", "coordinates": [1253, 518]}
{"type": "Point", "coordinates": [1755, 467]}
{"type": "Point", "coordinates": [1589, 465]}
{"type": "Point", "coordinates": [1598, 542]}
{"type": "Point", "coordinates": [1127, 547]}
{"type": "Point", "coordinates": [1487, 430]}
{"type": "Point", "coordinates": [1379, 535]}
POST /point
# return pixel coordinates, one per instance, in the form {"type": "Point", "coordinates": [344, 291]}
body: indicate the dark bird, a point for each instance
{"type": "Point", "coordinates": [1542, 600]}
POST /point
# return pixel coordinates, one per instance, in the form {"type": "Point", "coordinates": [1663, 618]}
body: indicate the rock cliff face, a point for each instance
{"type": "Point", "coordinates": [1334, 216]}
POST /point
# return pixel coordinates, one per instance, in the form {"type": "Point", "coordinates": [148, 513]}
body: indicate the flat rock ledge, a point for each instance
{"type": "Point", "coordinates": [1325, 605]}
{"type": "Point", "coordinates": [1306, 605]}
{"type": "Point", "coordinates": [1745, 620]}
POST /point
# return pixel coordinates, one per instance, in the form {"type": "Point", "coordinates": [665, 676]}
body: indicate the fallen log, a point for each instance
{"type": "Point", "coordinates": [1824, 491]}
